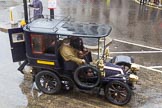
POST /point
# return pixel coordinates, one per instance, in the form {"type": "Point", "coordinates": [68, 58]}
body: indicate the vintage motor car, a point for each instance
{"type": "Point", "coordinates": [52, 73]}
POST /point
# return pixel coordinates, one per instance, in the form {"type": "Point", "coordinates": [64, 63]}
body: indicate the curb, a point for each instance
{"type": "Point", "coordinates": [5, 27]}
{"type": "Point", "coordinates": [152, 5]}
{"type": "Point", "coordinates": [4, 30]}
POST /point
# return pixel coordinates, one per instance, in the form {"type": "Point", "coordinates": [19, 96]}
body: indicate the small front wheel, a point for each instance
{"type": "Point", "coordinates": [87, 77]}
{"type": "Point", "coordinates": [118, 93]}
{"type": "Point", "coordinates": [48, 82]}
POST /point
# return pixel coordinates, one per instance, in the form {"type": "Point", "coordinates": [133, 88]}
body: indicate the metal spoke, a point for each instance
{"type": "Point", "coordinates": [122, 94]}
{"type": "Point", "coordinates": [110, 89]}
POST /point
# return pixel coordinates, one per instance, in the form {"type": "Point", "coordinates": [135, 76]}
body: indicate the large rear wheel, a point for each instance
{"type": "Point", "coordinates": [118, 93]}
{"type": "Point", "coordinates": [48, 82]}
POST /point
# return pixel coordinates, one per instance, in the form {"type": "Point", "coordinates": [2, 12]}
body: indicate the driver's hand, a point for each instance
{"type": "Point", "coordinates": [80, 52]}
{"type": "Point", "coordinates": [83, 61]}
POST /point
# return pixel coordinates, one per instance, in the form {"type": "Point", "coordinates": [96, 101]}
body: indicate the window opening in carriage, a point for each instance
{"type": "Point", "coordinates": [43, 44]}
{"type": "Point", "coordinates": [50, 42]}
{"type": "Point", "coordinates": [18, 37]}
{"type": "Point", "coordinates": [37, 44]}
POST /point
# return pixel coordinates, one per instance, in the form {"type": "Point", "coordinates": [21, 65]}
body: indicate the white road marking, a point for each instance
{"type": "Point", "coordinates": [131, 52]}
{"type": "Point", "coordinates": [136, 52]}
{"type": "Point", "coordinates": [153, 48]}
{"type": "Point", "coordinates": [137, 44]}
{"type": "Point", "coordinates": [157, 67]}
{"type": "Point", "coordinates": [149, 68]}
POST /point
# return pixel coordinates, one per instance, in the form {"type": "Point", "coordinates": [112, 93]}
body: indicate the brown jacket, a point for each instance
{"type": "Point", "coordinates": [70, 54]}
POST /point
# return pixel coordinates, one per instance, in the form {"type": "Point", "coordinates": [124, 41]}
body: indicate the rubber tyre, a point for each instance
{"type": "Point", "coordinates": [82, 85]}
{"type": "Point", "coordinates": [112, 92]}
{"type": "Point", "coordinates": [51, 79]}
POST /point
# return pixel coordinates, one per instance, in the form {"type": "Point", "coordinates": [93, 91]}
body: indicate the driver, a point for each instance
{"type": "Point", "coordinates": [69, 53]}
{"type": "Point", "coordinates": [77, 43]}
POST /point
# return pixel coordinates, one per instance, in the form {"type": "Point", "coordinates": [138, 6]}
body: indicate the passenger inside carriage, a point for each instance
{"type": "Point", "coordinates": [51, 48]}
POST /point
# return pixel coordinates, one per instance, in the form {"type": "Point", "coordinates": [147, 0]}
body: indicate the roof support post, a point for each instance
{"type": "Point", "coordinates": [51, 13]}
{"type": "Point", "coordinates": [25, 11]}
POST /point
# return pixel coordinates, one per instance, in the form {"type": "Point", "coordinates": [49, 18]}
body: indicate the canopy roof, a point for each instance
{"type": "Point", "coordinates": [68, 28]}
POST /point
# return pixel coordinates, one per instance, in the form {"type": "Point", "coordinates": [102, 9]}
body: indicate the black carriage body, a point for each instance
{"type": "Point", "coordinates": [39, 33]}
{"type": "Point", "coordinates": [31, 45]}
{"type": "Point", "coordinates": [17, 43]}
{"type": "Point", "coordinates": [37, 54]}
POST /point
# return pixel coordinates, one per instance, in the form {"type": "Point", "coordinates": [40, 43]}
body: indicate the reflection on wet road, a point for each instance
{"type": "Point", "coordinates": [130, 22]}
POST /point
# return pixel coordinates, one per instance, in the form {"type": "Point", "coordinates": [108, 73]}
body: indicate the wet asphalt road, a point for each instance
{"type": "Point", "coordinates": [130, 22]}
{"type": "Point", "coordinates": [10, 79]}
{"type": "Point", "coordinates": [139, 25]}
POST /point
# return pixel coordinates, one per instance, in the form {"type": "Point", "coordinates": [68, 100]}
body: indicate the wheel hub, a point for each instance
{"type": "Point", "coordinates": [116, 94]}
